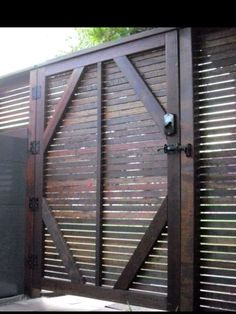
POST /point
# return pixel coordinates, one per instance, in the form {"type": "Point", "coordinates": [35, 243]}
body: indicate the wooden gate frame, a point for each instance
{"type": "Point", "coordinates": [181, 202]}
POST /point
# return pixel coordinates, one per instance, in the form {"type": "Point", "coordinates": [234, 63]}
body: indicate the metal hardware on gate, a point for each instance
{"type": "Point", "coordinates": [32, 261]}
{"type": "Point", "coordinates": [171, 148]}
{"type": "Point", "coordinates": [35, 147]}
{"type": "Point", "coordinates": [169, 124]}
{"type": "Point", "coordinates": [34, 203]}
{"type": "Point", "coordinates": [36, 92]}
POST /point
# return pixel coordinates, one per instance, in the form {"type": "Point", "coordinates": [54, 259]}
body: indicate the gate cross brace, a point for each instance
{"type": "Point", "coordinates": [144, 93]}
{"type": "Point", "coordinates": [143, 249]}
{"type": "Point", "coordinates": [61, 245]}
{"type": "Point", "coordinates": [61, 106]}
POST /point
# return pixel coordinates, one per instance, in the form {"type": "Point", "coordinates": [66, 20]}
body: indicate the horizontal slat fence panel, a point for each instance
{"type": "Point", "coordinates": [135, 181]}
{"type": "Point", "coordinates": [70, 177]}
{"type": "Point", "coordinates": [214, 85]}
{"type": "Point", "coordinates": [104, 181]}
{"type": "Point", "coordinates": [152, 277]}
{"type": "Point", "coordinates": [56, 85]}
{"type": "Point", "coordinates": [14, 103]}
{"type": "Point", "coordinates": [133, 174]}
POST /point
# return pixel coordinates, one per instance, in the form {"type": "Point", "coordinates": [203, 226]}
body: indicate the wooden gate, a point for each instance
{"type": "Point", "coordinates": [100, 194]}
{"type": "Point", "coordinates": [101, 185]}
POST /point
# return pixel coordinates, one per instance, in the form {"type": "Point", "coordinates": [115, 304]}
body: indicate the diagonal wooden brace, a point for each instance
{"type": "Point", "coordinates": [151, 103]}
{"type": "Point", "coordinates": [61, 245]}
{"type": "Point", "coordinates": [144, 248]}
{"type": "Point", "coordinates": [61, 106]}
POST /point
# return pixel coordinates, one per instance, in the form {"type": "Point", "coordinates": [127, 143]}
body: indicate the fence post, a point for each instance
{"type": "Point", "coordinates": [99, 185]}
{"type": "Point", "coordinates": [30, 178]}
{"type": "Point", "coordinates": [34, 174]}
{"type": "Point", "coordinates": [38, 222]}
{"type": "Point", "coordinates": [173, 199]}
{"type": "Point", "coordinates": [189, 270]}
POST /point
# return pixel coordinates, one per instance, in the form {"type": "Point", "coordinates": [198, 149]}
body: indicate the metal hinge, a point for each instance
{"type": "Point", "coordinates": [36, 92]}
{"type": "Point", "coordinates": [32, 261]}
{"type": "Point", "coordinates": [34, 203]}
{"type": "Point", "coordinates": [35, 147]}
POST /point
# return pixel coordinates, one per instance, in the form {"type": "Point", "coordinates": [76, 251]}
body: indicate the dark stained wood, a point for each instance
{"type": "Point", "coordinates": [97, 51]}
{"type": "Point", "coordinates": [151, 77]}
{"type": "Point", "coordinates": [143, 249]}
{"type": "Point", "coordinates": [128, 215]}
{"type": "Point", "coordinates": [139, 287]}
{"type": "Point", "coordinates": [141, 44]}
{"type": "Point", "coordinates": [146, 172]}
{"type": "Point", "coordinates": [30, 192]}
{"type": "Point", "coordinates": [135, 129]}
{"type": "Point", "coordinates": [127, 137]}
{"type": "Point", "coordinates": [189, 230]}
{"type": "Point", "coordinates": [153, 106]}
{"type": "Point", "coordinates": [219, 288]}
{"type": "Point", "coordinates": [126, 194]}
{"type": "Point", "coordinates": [124, 120]}
{"type": "Point", "coordinates": [99, 183]}
{"type": "Point", "coordinates": [119, 114]}
{"type": "Point", "coordinates": [38, 225]}
{"type": "Point", "coordinates": [115, 72]}
{"type": "Point", "coordinates": [219, 304]}
{"type": "Point", "coordinates": [67, 95]}
{"type": "Point", "coordinates": [133, 297]}
{"type": "Point", "coordinates": [172, 73]}
{"type": "Point", "coordinates": [61, 245]}
{"type": "Point", "coordinates": [216, 33]}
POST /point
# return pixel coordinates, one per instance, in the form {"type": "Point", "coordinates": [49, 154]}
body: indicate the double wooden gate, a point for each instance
{"type": "Point", "coordinates": [99, 182]}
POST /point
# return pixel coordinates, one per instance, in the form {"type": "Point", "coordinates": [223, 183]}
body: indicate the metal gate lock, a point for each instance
{"type": "Point", "coordinates": [171, 148]}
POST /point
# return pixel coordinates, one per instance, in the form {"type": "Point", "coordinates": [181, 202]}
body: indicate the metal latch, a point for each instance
{"type": "Point", "coordinates": [172, 148]}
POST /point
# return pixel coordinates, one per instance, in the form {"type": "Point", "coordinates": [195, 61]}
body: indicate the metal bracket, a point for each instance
{"type": "Point", "coordinates": [32, 261]}
{"type": "Point", "coordinates": [172, 148]}
{"type": "Point", "coordinates": [35, 147]}
{"type": "Point", "coordinates": [34, 203]}
{"type": "Point", "coordinates": [36, 92]}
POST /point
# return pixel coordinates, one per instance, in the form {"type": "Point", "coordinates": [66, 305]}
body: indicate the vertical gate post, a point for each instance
{"type": "Point", "coordinates": [173, 200]}
{"type": "Point", "coordinates": [38, 222]}
{"type": "Point", "coordinates": [99, 185]}
{"type": "Point", "coordinates": [30, 178]}
{"type": "Point", "coordinates": [33, 247]}
{"type": "Point", "coordinates": [189, 271]}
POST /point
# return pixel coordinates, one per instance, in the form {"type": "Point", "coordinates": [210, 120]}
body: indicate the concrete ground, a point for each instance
{"type": "Point", "coordinates": [65, 303]}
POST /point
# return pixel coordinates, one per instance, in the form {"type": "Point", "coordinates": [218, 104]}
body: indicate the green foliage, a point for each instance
{"type": "Point", "coordinates": [86, 37]}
